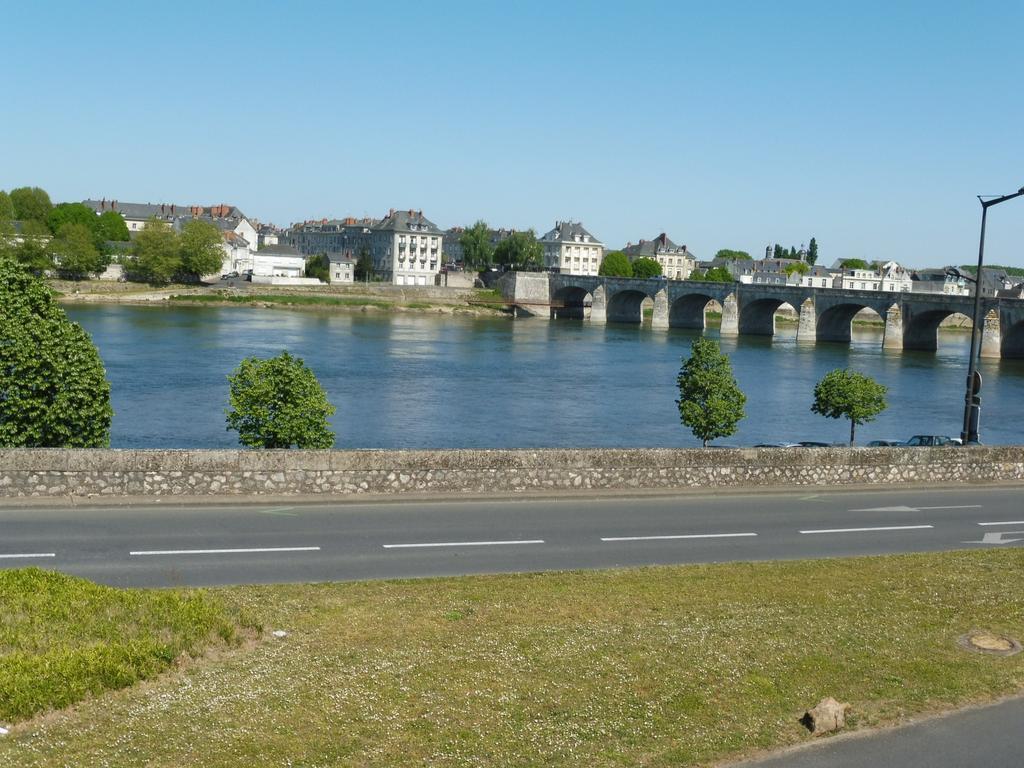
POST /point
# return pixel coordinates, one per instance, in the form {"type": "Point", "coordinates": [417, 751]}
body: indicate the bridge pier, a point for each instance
{"type": "Point", "coordinates": [599, 306]}
{"type": "Point", "coordinates": [892, 338]}
{"type": "Point", "coordinates": [730, 316]}
{"type": "Point", "coordinates": [991, 336]}
{"type": "Point", "coordinates": [659, 319]}
{"type": "Point", "coordinates": [806, 331]}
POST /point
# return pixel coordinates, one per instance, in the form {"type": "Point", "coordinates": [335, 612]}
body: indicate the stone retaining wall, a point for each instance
{"type": "Point", "coordinates": [111, 473]}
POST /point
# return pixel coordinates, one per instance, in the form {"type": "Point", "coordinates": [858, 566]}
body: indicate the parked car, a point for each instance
{"type": "Point", "coordinates": [885, 443]}
{"type": "Point", "coordinates": [777, 445]}
{"type": "Point", "coordinates": [931, 440]}
{"type": "Point", "coordinates": [229, 276]}
{"type": "Point", "coordinates": [814, 444]}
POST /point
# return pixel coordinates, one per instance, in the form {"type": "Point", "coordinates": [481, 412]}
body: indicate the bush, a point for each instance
{"type": "Point", "coordinates": [53, 389]}
{"type": "Point", "coordinates": [278, 403]}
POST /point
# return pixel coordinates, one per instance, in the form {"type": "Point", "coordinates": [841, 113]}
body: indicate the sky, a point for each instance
{"type": "Point", "coordinates": [870, 126]}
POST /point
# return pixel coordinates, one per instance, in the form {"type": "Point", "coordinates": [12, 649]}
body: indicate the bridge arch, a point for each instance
{"type": "Point", "coordinates": [690, 311]}
{"type": "Point", "coordinates": [626, 306]}
{"type": "Point", "coordinates": [570, 302]}
{"type": "Point", "coordinates": [757, 317]}
{"type": "Point", "coordinates": [1012, 347]}
{"type": "Point", "coordinates": [921, 330]}
{"type": "Point", "coordinates": [835, 323]}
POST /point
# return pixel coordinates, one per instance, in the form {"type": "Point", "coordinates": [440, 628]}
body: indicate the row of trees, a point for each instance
{"type": "Point", "coordinates": [711, 403]}
{"type": "Point", "coordinates": [810, 256]}
{"type": "Point", "coordinates": [617, 264]}
{"type": "Point", "coordinates": [160, 254]}
{"type": "Point", "coordinates": [518, 249]}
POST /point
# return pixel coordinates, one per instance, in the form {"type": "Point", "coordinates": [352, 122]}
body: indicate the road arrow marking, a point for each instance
{"type": "Point", "coordinates": [915, 509]}
{"type": "Point", "coordinates": [285, 511]}
{"type": "Point", "coordinates": [996, 537]}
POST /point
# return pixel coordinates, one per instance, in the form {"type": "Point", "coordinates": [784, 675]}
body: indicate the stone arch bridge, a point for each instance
{"type": "Point", "coordinates": [826, 314]}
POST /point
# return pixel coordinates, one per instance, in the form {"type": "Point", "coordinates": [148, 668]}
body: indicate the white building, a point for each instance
{"type": "Point", "coordinates": [890, 277]}
{"type": "Point", "coordinates": [676, 261]}
{"type": "Point", "coordinates": [342, 268]}
{"type": "Point", "coordinates": [406, 248]}
{"type": "Point", "coordinates": [570, 249]}
{"type": "Point", "coordinates": [278, 261]}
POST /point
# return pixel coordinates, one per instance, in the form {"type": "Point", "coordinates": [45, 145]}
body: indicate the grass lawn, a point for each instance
{"type": "Point", "coordinates": [63, 638]}
{"type": "Point", "coordinates": [669, 666]}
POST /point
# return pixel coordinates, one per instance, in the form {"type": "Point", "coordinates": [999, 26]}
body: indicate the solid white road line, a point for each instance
{"type": "Point", "coordinates": [1006, 522]}
{"type": "Point", "coordinates": [683, 536]}
{"type": "Point", "coordinates": [462, 544]}
{"type": "Point", "coordinates": [221, 551]}
{"type": "Point", "coordinates": [28, 555]}
{"type": "Point", "coordinates": [862, 530]}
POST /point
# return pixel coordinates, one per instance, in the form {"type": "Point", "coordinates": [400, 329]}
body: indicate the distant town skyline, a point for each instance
{"type": "Point", "coordinates": [870, 127]}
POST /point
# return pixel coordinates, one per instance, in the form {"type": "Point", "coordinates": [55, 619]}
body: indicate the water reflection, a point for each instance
{"type": "Point", "coordinates": [419, 381]}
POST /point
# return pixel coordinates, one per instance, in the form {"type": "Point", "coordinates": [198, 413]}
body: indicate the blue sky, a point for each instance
{"type": "Point", "coordinates": [869, 125]}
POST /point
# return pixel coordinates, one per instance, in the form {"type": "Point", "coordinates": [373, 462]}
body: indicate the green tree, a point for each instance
{"type": "Point", "coordinates": [75, 252]}
{"type": "Point", "coordinates": [845, 393]}
{"type": "Point", "coordinates": [477, 251]}
{"type": "Point", "coordinates": [696, 274]}
{"type": "Point", "coordinates": [6, 211]}
{"type": "Point", "coordinates": [778, 252]}
{"type": "Point", "coordinates": [278, 403]}
{"type": "Point", "coordinates": [364, 266]}
{"type": "Point", "coordinates": [110, 227]}
{"type": "Point", "coordinates": [710, 401]}
{"type": "Point", "coordinates": [853, 264]}
{"type": "Point", "coordinates": [30, 204]}
{"type": "Point", "coordinates": [319, 267]}
{"type": "Point", "coordinates": [718, 275]}
{"type": "Point", "coordinates": [201, 253]}
{"type": "Point", "coordinates": [725, 253]}
{"type": "Point", "coordinates": [32, 250]}
{"type": "Point", "coordinates": [615, 264]}
{"type": "Point", "coordinates": [646, 268]}
{"type": "Point", "coordinates": [53, 390]}
{"type": "Point", "coordinates": [71, 213]}
{"type": "Point", "coordinates": [812, 252]}
{"type": "Point", "coordinates": [156, 253]}
{"type": "Point", "coordinates": [798, 267]}
{"type": "Point", "coordinates": [520, 250]}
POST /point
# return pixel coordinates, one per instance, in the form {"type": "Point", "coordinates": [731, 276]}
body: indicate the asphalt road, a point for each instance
{"type": "Point", "coordinates": [256, 542]}
{"type": "Point", "coordinates": [984, 737]}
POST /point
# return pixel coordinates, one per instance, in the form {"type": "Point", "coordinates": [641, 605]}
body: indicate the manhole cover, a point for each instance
{"type": "Point", "coordinates": [980, 641]}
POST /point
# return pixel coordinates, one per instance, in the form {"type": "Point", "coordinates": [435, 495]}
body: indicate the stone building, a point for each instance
{"type": "Point", "coordinates": [570, 249]}
{"type": "Point", "coordinates": [676, 261]}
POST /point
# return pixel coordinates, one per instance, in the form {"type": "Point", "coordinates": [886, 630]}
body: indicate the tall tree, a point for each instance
{"type": "Point", "coordinates": [710, 401]}
{"type": "Point", "coordinates": [71, 213]}
{"type": "Point", "coordinates": [6, 211]}
{"type": "Point", "coordinates": [30, 204]}
{"type": "Point", "coordinates": [520, 250]}
{"type": "Point", "coordinates": [615, 264]}
{"type": "Point", "coordinates": [477, 251]}
{"type": "Point", "coordinates": [156, 253]}
{"type": "Point", "coordinates": [645, 267]}
{"type": "Point", "coordinates": [75, 252]}
{"type": "Point", "coordinates": [718, 275]}
{"type": "Point", "coordinates": [110, 227]}
{"type": "Point", "coordinates": [726, 253]}
{"type": "Point", "coordinates": [812, 252]}
{"type": "Point", "coordinates": [845, 393]}
{"type": "Point", "coordinates": [778, 252]}
{"type": "Point", "coordinates": [32, 249]}
{"type": "Point", "coordinates": [53, 390]}
{"type": "Point", "coordinates": [364, 266]}
{"type": "Point", "coordinates": [278, 403]}
{"type": "Point", "coordinates": [201, 248]}
{"type": "Point", "coordinates": [853, 264]}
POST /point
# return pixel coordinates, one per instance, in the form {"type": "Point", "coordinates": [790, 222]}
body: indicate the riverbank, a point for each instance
{"type": "Point", "coordinates": [657, 666]}
{"type": "Point", "coordinates": [332, 298]}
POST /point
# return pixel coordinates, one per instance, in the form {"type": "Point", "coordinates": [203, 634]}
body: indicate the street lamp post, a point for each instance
{"type": "Point", "coordinates": [972, 401]}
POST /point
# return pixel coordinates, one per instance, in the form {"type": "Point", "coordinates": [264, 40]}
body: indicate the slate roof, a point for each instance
{"type": "Point", "coordinates": [569, 232]}
{"type": "Point", "coordinates": [166, 211]}
{"type": "Point", "coordinates": [279, 250]}
{"type": "Point", "coordinates": [405, 221]}
{"type": "Point", "coordinates": [651, 248]}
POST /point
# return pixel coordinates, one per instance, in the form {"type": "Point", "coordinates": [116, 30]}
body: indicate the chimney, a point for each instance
{"type": "Point", "coordinates": [172, 209]}
{"type": "Point", "coordinates": [113, 204]}
{"type": "Point", "coordinates": [391, 212]}
{"type": "Point", "coordinates": [103, 204]}
{"type": "Point", "coordinates": [161, 209]}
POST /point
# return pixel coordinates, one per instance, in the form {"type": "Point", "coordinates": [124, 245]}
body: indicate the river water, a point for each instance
{"type": "Point", "coordinates": [423, 381]}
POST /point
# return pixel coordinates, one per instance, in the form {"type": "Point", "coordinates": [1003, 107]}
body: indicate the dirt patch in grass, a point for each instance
{"type": "Point", "coordinates": [654, 666]}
